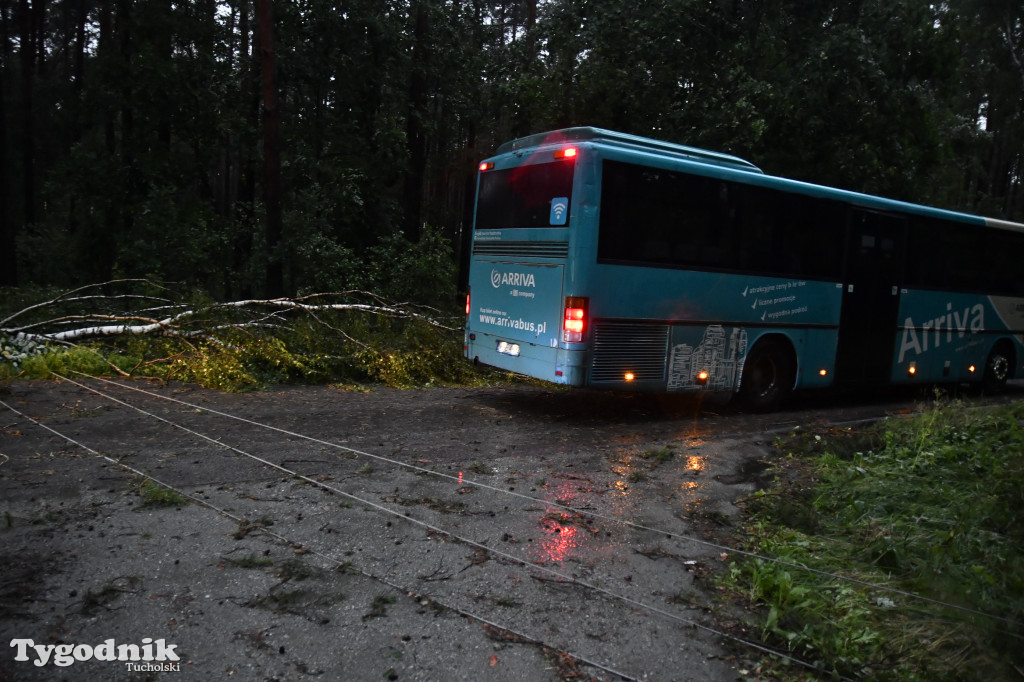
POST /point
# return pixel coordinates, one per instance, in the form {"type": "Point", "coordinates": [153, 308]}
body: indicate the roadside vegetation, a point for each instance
{"type": "Point", "coordinates": [893, 552]}
{"type": "Point", "coordinates": [399, 353]}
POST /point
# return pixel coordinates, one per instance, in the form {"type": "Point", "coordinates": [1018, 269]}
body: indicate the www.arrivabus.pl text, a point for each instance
{"type": "Point", "coordinates": [156, 655]}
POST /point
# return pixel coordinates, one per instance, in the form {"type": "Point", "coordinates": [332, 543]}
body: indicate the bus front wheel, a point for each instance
{"type": "Point", "coordinates": [768, 375]}
{"type": "Point", "coordinates": [997, 367]}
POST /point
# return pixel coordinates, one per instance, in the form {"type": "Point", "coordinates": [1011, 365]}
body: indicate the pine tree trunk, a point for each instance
{"type": "Point", "coordinates": [8, 234]}
{"type": "Point", "coordinates": [416, 138]}
{"type": "Point", "coordinates": [271, 151]}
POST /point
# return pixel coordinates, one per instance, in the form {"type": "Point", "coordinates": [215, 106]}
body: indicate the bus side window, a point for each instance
{"type": "Point", "coordinates": [821, 235]}
{"type": "Point", "coordinates": [1002, 247]}
{"type": "Point", "coordinates": [704, 238]}
{"type": "Point", "coordinates": [759, 231]}
{"type": "Point", "coordinates": [790, 234]}
{"type": "Point", "coordinates": [924, 249]}
{"type": "Point", "coordinates": [655, 250]}
{"type": "Point", "coordinates": [960, 257]}
{"type": "Point", "coordinates": [655, 216]}
{"type": "Point", "coordinates": [965, 271]}
{"type": "Point", "coordinates": [614, 230]}
{"type": "Point", "coordinates": [756, 251]}
{"type": "Point", "coordinates": [948, 255]}
{"type": "Point", "coordinates": [652, 215]}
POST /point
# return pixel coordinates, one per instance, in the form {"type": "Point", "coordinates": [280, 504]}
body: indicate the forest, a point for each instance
{"type": "Point", "coordinates": [278, 148]}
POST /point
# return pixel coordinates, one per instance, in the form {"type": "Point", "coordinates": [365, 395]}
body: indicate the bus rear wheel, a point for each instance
{"type": "Point", "coordinates": [997, 367]}
{"type": "Point", "coordinates": [768, 376]}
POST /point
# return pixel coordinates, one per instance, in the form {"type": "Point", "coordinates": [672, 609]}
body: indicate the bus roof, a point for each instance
{"type": "Point", "coordinates": [729, 163]}
{"type": "Point", "coordinates": [622, 140]}
{"type": "Point", "coordinates": [870, 201]}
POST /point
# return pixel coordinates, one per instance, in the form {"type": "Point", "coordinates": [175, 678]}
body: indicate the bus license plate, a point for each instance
{"type": "Point", "coordinates": [508, 348]}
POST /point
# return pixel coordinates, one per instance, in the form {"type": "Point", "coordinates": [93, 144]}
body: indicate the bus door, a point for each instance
{"type": "Point", "coordinates": [871, 295]}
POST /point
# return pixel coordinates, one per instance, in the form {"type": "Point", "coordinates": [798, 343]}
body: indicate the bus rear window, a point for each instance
{"type": "Point", "coordinates": [535, 195]}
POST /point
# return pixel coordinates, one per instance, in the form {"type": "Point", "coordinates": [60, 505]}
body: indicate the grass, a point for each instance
{"type": "Point", "coordinates": [93, 600]}
{"type": "Point", "coordinates": [155, 495]}
{"type": "Point", "coordinates": [636, 476]}
{"type": "Point", "coordinates": [379, 606]}
{"type": "Point", "coordinates": [296, 570]}
{"type": "Point", "coordinates": [479, 468]}
{"type": "Point", "coordinates": [660, 455]}
{"type": "Point", "coordinates": [930, 506]}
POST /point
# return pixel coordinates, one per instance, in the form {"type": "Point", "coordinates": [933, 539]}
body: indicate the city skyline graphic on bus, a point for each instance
{"type": "Point", "coordinates": [721, 356]}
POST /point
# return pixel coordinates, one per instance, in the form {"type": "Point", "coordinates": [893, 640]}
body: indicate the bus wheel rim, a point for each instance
{"type": "Point", "coordinates": [999, 367]}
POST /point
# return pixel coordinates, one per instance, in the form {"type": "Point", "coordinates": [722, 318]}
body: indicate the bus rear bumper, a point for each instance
{"type": "Point", "coordinates": [557, 365]}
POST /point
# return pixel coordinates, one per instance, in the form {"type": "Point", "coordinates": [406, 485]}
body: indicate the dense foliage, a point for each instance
{"type": "Point", "coordinates": [260, 147]}
{"type": "Point", "coordinates": [895, 550]}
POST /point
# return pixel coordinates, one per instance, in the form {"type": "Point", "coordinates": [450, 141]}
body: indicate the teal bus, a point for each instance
{"type": "Point", "coordinates": [613, 261]}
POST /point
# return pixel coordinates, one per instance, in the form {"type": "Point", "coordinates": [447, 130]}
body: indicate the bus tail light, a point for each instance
{"type": "Point", "coordinates": [468, 292]}
{"type": "Point", "coordinates": [566, 153]}
{"type": "Point", "coordinates": [486, 166]}
{"type": "Point", "coordinates": [574, 324]}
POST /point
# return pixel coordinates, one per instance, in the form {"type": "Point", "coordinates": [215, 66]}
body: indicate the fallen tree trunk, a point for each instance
{"type": "Point", "coordinates": [66, 319]}
{"type": "Point", "coordinates": [180, 320]}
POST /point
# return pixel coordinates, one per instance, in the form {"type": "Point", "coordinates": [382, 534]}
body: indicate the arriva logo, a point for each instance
{"type": "Point", "coordinates": [515, 279]}
{"type": "Point", "coordinates": [943, 326]}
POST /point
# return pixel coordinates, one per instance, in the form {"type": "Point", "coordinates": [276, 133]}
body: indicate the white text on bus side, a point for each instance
{"type": "Point", "coordinates": [952, 322]}
{"type": "Point", "coordinates": [516, 279]}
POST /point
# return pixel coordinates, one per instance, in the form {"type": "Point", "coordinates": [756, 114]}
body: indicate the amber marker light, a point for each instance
{"type": "Point", "coordinates": [823, 372]}
{"type": "Point", "coordinates": [629, 376]}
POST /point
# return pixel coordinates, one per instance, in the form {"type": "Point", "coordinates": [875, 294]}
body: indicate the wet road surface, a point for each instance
{"type": "Point", "coordinates": [445, 534]}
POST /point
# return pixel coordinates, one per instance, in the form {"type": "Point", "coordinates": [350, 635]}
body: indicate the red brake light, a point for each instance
{"type": "Point", "coordinates": [468, 292]}
{"type": "Point", "coordinates": [574, 323]}
{"type": "Point", "coordinates": [486, 166]}
{"type": "Point", "coordinates": [567, 153]}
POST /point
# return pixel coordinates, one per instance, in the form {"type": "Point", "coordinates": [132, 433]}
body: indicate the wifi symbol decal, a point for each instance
{"type": "Point", "coordinates": [559, 210]}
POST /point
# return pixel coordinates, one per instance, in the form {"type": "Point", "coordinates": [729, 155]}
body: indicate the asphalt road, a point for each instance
{"type": "Point", "coordinates": [313, 533]}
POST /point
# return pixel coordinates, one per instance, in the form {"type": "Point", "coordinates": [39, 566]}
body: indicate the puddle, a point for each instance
{"type": "Point", "coordinates": [559, 541]}
{"type": "Point", "coordinates": [750, 471]}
